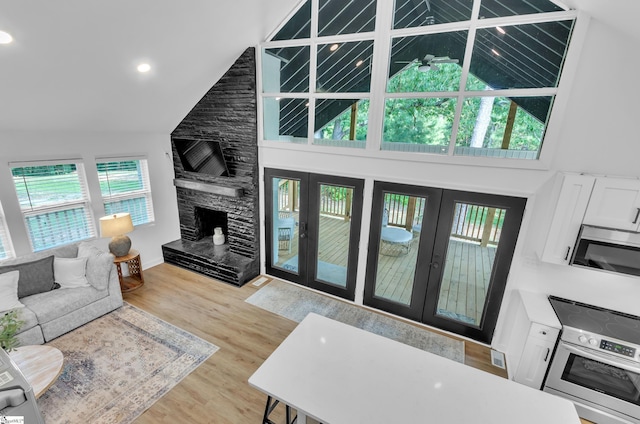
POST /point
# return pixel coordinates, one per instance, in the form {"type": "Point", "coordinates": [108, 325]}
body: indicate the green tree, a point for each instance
{"type": "Point", "coordinates": [430, 120]}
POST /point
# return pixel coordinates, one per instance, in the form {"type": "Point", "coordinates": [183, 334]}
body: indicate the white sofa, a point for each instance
{"type": "Point", "coordinates": [49, 314]}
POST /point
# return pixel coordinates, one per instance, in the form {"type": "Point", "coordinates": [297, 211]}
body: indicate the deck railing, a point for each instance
{"type": "Point", "coordinates": [477, 223]}
{"type": "Point", "coordinates": [471, 222]}
{"type": "Point", "coordinates": [334, 200]}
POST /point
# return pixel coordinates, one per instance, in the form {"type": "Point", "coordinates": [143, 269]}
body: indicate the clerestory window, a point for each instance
{"type": "Point", "coordinates": [464, 78]}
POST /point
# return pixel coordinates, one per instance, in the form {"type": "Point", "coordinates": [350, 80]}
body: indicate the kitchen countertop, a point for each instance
{"type": "Point", "coordinates": [337, 374]}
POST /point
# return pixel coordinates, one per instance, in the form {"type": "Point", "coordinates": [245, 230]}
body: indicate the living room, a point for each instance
{"type": "Point", "coordinates": [84, 104]}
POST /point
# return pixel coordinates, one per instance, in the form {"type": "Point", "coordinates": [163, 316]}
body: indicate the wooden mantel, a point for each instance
{"type": "Point", "coordinates": [209, 187]}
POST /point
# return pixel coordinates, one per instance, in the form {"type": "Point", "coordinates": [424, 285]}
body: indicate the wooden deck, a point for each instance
{"type": "Point", "coordinates": [466, 276]}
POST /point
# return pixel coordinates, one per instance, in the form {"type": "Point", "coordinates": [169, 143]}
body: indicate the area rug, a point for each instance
{"type": "Point", "coordinates": [294, 302]}
{"type": "Point", "coordinates": [118, 365]}
{"type": "Point", "coordinates": [330, 273]}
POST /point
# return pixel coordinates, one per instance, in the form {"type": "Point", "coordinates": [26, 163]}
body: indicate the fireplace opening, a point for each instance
{"type": "Point", "coordinates": [208, 219]}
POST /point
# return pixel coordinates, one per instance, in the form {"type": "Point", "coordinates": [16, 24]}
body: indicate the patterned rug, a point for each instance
{"type": "Point", "coordinates": [295, 302]}
{"type": "Point", "coordinates": [118, 365]}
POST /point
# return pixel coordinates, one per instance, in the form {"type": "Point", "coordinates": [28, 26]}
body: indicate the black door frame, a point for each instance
{"type": "Point", "coordinates": [500, 271]}
{"type": "Point", "coordinates": [269, 174]}
{"type": "Point", "coordinates": [432, 196]}
{"type": "Point", "coordinates": [433, 244]}
{"type": "Point", "coordinates": [308, 229]}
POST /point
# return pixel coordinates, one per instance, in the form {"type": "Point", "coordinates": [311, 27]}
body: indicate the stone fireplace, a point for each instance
{"type": "Point", "coordinates": [220, 129]}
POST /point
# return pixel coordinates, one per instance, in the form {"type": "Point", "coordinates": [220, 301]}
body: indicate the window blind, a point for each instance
{"type": "Point", "coordinates": [54, 202]}
{"type": "Point", "coordinates": [125, 187]}
{"type": "Point", "coordinates": [6, 248]}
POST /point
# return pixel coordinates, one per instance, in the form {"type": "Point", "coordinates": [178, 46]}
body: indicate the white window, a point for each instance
{"type": "Point", "coordinates": [54, 202]}
{"type": "Point", "coordinates": [464, 78]}
{"type": "Point", "coordinates": [124, 183]}
{"type": "Point", "coordinates": [6, 249]}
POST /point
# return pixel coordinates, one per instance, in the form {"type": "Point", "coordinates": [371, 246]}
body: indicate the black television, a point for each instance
{"type": "Point", "coordinates": [201, 156]}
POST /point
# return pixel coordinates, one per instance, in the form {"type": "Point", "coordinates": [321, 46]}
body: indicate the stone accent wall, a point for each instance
{"type": "Point", "coordinates": [226, 114]}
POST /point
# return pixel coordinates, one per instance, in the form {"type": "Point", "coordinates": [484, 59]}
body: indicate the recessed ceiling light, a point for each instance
{"type": "Point", "coordinates": [494, 51]}
{"type": "Point", "coordinates": [5, 37]}
{"type": "Point", "coordinates": [334, 47]}
{"type": "Point", "coordinates": [144, 67]}
{"type": "Point", "coordinates": [358, 63]}
{"type": "Point", "coordinates": [500, 30]}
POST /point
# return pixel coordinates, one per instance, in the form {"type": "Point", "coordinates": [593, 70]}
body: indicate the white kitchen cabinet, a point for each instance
{"type": "Point", "coordinates": [535, 333]}
{"type": "Point", "coordinates": [567, 218]}
{"type": "Point", "coordinates": [615, 203]}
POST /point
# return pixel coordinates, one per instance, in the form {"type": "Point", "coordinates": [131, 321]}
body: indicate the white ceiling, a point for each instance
{"type": "Point", "coordinates": [72, 64]}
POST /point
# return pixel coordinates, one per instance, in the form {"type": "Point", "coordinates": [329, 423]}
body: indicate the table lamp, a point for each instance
{"type": "Point", "coordinates": [116, 226]}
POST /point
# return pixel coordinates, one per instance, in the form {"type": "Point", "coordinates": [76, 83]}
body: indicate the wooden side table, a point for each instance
{"type": "Point", "coordinates": [135, 279]}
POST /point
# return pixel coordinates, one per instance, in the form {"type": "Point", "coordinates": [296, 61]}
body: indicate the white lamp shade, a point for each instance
{"type": "Point", "coordinates": [116, 224]}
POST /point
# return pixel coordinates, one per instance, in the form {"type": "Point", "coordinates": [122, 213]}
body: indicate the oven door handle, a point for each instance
{"type": "Point", "coordinates": [622, 363]}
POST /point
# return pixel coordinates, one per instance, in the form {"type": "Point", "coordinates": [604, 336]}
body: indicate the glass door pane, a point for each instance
{"type": "Point", "coordinates": [335, 215]}
{"type": "Point", "coordinates": [398, 251]}
{"type": "Point", "coordinates": [474, 243]}
{"type": "Point", "coordinates": [334, 230]}
{"type": "Point", "coordinates": [403, 226]}
{"type": "Point", "coordinates": [471, 253]}
{"type": "Point", "coordinates": [285, 214]}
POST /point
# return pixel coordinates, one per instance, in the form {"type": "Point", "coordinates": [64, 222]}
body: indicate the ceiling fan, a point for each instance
{"type": "Point", "coordinates": [430, 62]}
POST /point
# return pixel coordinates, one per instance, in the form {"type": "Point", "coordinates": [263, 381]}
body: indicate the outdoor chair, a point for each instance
{"type": "Point", "coordinates": [286, 226]}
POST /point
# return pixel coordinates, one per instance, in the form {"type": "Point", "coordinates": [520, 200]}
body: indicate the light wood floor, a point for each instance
{"type": "Point", "coordinates": [217, 391]}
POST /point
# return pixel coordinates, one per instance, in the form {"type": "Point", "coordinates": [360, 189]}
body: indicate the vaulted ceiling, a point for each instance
{"type": "Point", "coordinates": [72, 64]}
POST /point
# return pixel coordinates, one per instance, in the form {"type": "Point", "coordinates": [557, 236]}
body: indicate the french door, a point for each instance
{"type": "Point", "coordinates": [313, 229]}
{"type": "Point", "coordinates": [441, 256]}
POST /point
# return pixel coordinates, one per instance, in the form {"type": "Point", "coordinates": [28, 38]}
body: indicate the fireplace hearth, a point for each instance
{"type": "Point", "coordinates": [226, 119]}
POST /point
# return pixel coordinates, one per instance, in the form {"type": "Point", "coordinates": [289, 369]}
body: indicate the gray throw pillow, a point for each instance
{"type": "Point", "coordinates": [35, 277]}
{"type": "Point", "coordinates": [99, 264]}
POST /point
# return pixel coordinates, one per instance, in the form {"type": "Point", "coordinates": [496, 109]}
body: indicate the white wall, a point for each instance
{"type": "Point", "coordinates": [599, 136]}
{"type": "Point", "coordinates": [595, 134]}
{"type": "Point", "coordinates": [148, 238]}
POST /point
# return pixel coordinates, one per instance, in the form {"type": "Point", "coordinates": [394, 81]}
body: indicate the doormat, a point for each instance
{"type": "Point", "coordinates": [328, 272]}
{"type": "Point", "coordinates": [117, 366]}
{"type": "Point", "coordinates": [295, 302]}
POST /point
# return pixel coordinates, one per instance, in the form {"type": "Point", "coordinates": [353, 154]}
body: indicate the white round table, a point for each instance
{"type": "Point", "coordinates": [397, 239]}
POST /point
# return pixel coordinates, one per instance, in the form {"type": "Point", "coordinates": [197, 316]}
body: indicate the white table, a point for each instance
{"type": "Point", "coordinates": [336, 373]}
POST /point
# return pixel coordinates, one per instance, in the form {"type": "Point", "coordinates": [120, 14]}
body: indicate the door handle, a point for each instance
{"type": "Point", "coordinates": [635, 221]}
{"type": "Point", "coordinates": [435, 264]}
{"type": "Point", "coordinates": [567, 255]}
{"type": "Point", "coordinates": [303, 229]}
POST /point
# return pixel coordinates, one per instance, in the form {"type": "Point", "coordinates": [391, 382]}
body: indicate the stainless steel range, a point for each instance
{"type": "Point", "coordinates": [597, 362]}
